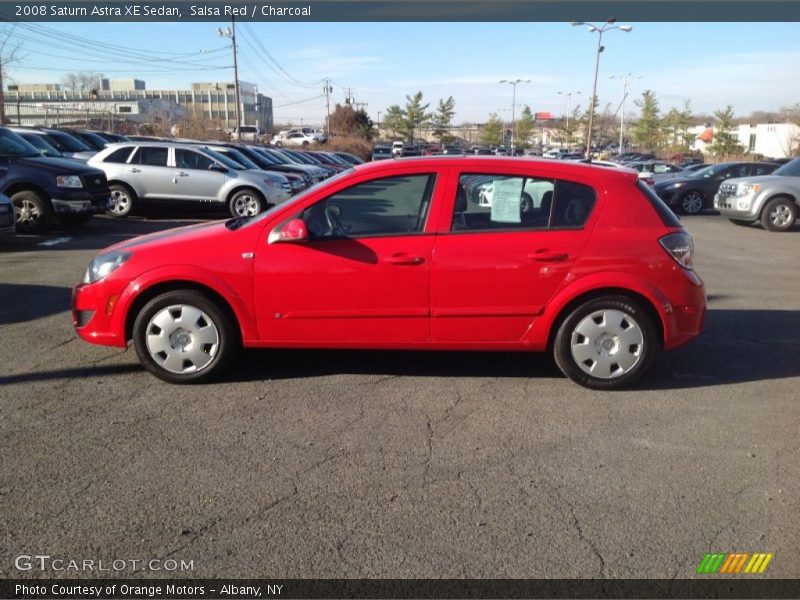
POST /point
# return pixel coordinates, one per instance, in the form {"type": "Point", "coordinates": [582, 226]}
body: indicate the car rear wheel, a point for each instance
{"type": "Point", "coordinates": [779, 214]}
{"type": "Point", "coordinates": [33, 212]}
{"type": "Point", "coordinates": [184, 337]}
{"type": "Point", "coordinates": [246, 203]}
{"type": "Point", "coordinates": [121, 201]}
{"type": "Point", "coordinates": [691, 203]}
{"type": "Point", "coordinates": [606, 343]}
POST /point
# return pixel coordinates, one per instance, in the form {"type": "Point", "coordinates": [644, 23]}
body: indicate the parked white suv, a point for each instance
{"type": "Point", "coordinates": [144, 172]}
{"type": "Point", "coordinates": [250, 133]}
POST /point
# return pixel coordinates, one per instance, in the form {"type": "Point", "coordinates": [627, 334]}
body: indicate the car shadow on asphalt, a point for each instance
{"type": "Point", "coordinates": [737, 346]}
{"type": "Point", "coordinates": [22, 302]}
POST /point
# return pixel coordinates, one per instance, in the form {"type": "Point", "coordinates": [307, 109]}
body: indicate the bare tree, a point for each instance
{"type": "Point", "coordinates": [10, 53]}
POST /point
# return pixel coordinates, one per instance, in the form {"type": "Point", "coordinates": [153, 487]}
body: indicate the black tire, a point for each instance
{"type": "Point", "coordinates": [33, 212]}
{"type": "Point", "coordinates": [741, 223]}
{"type": "Point", "coordinates": [635, 323]}
{"type": "Point", "coordinates": [75, 219]}
{"type": "Point", "coordinates": [246, 203]}
{"type": "Point", "coordinates": [779, 214]}
{"type": "Point", "coordinates": [122, 202]}
{"type": "Point", "coordinates": [691, 202]}
{"type": "Point", "coordinates": [219, 354]}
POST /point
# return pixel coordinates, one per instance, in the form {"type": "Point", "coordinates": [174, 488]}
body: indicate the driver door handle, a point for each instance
{"type": "Point", "coordinates": [405, 259]}
{"type": "Point", "coordinates": [135, 170]}
{"type": "Point", "coordinates": [547, 255]}
{"type": "Point", "coordinates": [182, 174]}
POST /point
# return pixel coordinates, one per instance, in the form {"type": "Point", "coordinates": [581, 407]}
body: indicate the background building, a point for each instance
{"type": "Point", "coordinates": [129, 99]}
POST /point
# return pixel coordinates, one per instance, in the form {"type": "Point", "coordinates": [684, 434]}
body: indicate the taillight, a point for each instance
{"type": "Point", "coordinates": [679, 246]}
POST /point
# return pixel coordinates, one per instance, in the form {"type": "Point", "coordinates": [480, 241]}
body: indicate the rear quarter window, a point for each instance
{"type": "Point", "coordinates": [669, 218]}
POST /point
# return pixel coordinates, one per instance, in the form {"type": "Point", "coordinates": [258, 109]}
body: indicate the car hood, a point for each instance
{"type": "Point", "coordinates": [767, 179]}
{"type": "Point", "coordinates": [673, 180]}
{"type": "Point", "coordinates": [58, 165]}
{"type": "Point", "coordinates": [178, 235]}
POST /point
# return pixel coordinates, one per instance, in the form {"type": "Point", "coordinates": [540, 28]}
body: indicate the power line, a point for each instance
{"type": "Point", "coordinates": [283, 72]}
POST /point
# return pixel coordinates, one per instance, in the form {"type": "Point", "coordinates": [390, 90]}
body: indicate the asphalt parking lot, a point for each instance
{"type": "Point", "coordinates": [391, 464]}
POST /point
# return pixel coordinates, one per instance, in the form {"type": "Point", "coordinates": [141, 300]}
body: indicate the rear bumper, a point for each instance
{"type": "Point", "coordinates": [685, 311]}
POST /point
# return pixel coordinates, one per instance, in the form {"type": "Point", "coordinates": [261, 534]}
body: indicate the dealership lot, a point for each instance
{"type": "Point", "coordinates": [391, 464]}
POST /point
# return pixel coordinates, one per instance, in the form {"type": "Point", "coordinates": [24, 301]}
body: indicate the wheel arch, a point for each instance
{"type": "Point", "coordinates": [245, 187]}
{"type": "Point", "coordinates": [124, 184]}
{"type": "Point", "coordinates": [776, 196]}
{"type": "Point", "coordinates": [25, 186]}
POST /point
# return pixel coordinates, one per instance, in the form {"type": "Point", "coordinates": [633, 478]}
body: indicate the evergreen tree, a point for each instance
{"type": "Point", "coordinates": [492, 134]}
{"type": "Point", "coordinates": [414, 115]}
{"type": "Point", "coordinates": [647, 131]}
{"type": "Point", "coordinates": [442, 118]}
{"type": "Point", "coordinates": [725, 143]}
{"type": "Point", "coordinates": [525, 127]}
{"type": "Point", "coordinates": [393, 121]}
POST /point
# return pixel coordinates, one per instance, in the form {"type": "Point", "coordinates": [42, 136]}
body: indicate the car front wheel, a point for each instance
{"type": "Point", "coordinates": [779, 215]}
{"type": "Point", "coordinates": [606, 343]}
{"type": "Point", "coordinates": [121, 201]}
{"type": "Point", "coordinates": [185, 337]}
{"type": "Point", "coordinates": [32, 211]}
{"type": "Point", "coordinates": [692, 203]}
{"type": "Point", "coordinates": [246, 203]}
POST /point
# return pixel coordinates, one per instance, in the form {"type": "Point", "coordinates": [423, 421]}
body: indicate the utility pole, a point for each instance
{"type": "Point", "coordinates": [328, 90]}
{"type": "Point", "coordinates": [360, 105]}
{"type": "Point", "coordinates": [2, 95]}
{"type": "Point", "coordinates": [625, 79]}
{"type": "Point", "coordinates": [231, 33]}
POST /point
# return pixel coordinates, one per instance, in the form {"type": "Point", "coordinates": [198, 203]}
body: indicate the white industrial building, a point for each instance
{"type": "Point", "coordinates": [772, 140]}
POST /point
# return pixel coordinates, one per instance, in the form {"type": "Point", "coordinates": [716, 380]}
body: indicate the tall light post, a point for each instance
{"type": "Point", "coordinates": [513, 85]}
{"type": "Point", "coordinates": [230, 32]}
{"type": "Point", "coordinates": [568, 95]}
{"type": "Point", "coordinates": [624, 79]}
{"type": "Point", "coordinates": [600, 30]}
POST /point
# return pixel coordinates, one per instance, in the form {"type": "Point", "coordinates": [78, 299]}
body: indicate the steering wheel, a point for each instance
{"type": "Point", "coordinates": [334, 222]}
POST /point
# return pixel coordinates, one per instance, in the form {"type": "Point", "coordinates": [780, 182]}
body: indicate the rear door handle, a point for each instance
{"type": "Point", "coordinates": [405, 259]}
{"type": "Point", "coordinates": [182, 174]}
{"type": "Point", "coordinates": [546, 255]}
{"type": "Point", "coordinates": [135, 170]}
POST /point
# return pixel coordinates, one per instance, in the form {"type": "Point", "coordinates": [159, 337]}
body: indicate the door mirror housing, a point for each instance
{"type": "Point", "coordinates": [293, 231]}
{"type": "Point", "coordinates": [218, 168]}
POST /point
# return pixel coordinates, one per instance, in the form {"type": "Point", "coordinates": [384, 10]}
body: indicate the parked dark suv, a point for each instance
{"type": "Point", "coordinates": [45, 189]}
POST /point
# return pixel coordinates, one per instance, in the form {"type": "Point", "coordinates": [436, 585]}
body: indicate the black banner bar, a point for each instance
{"type": "Point", "coordinates": [240, 589]}
{"type": "Point", "coordinates": [401, 10]}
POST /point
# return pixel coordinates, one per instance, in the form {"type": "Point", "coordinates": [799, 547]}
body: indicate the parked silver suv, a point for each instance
{"type": "Point", "coordinates": [773, 199]}
{"type": "Point", "coordinates": [168, 171]}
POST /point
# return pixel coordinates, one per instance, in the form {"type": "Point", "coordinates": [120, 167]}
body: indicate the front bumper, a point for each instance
{"type": "Point", "coordinates": [668, 194]}
{"type": "Point", "coordinates": [7, 218]}
{"type": "Point", "coordinates": [80, 202]}
{"type": "Point", "coordinates": [743, 208]}
{"type": "Point", "coordinates": [95, 315]}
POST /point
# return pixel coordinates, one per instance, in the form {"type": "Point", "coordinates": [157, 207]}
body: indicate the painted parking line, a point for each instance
{"type": "Point", "coordinates": [55, 242]}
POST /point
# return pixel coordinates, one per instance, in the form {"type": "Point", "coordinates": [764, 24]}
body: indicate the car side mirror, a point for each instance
{"type": "Point", "coordinates": [293, 231]}
{"type": "Point", "coordinates": [218, 168]}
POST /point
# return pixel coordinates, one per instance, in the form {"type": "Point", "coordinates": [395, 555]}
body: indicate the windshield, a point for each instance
{"type": "Point", "coordinates": [64, 141]}
{"type": "Point", "coordinates": [221, 158]}
{"type": "Point", "coordinates": [12, 145]}
{"type": "Point", "coordinates": [41, 144]}
{"type": "Point", "coordinates": [89, 137]}
{"type": "Point", "coordinates": [242, 221]}
{"type": "Point", "coordinates": [790, 169]}
{"type": "Point", "coordinates": [257, 157]}
{"type": "Point", "coordinates": [240, 158]}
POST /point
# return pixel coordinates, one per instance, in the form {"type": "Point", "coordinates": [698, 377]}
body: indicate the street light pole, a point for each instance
{"type": "Point", "coordinates": [625, 79]}
{"type": "Point", "coordinates": [600, 30]}
{"type": "Point", "coordinates": [514, 108]}
{"type": "Point", "coordinates": [569, 98]}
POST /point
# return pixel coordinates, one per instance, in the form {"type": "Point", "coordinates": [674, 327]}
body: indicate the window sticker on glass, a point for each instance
{"type": "Point", "coordinates": [506, 196]}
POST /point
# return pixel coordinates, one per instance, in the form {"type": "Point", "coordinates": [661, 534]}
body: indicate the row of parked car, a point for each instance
{"type": "Point", "coordinates": [68, 175]}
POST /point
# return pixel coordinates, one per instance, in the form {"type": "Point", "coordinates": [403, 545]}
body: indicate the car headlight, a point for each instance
{"type": "Point", "coordinates": [677, 185]}
{"type": "Point", "coordinates": [103, 265]}
{"type": "Point", "coordinates": [745, 189]}
{"type": "Point", "coordinates": [69, 181]}
{"type": "Point", "coordinates": [271, 183]}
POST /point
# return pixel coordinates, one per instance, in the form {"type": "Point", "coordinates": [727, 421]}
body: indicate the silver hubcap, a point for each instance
{"type": "Point", "coordinates": [182, 339]}
{"type": "Point", "coordinates": [27, 212]}
{"type": "Point", "coordinates": [119, 203]}
{"type": "Point", "coordinates": [246, 206]}
{"type": "Point", "coordinates": [781, 216]}
{"type": "Point", "coordinates": [607, 344]}
{"type": "Point", "coordinates": [693, 203]}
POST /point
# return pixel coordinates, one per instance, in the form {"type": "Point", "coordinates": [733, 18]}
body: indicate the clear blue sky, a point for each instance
{"type": "Point", "coordinates": [752, 66]}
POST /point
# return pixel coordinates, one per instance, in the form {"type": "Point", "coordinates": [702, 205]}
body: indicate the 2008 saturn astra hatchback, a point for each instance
{"type": "Point", "coordinates": [448, 253]}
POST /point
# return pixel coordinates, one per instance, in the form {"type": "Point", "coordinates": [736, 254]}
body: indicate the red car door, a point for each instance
{"type": "Point", "coordinates": [362, 277]}
{"type": "Point", "coordinates": [511, 241]}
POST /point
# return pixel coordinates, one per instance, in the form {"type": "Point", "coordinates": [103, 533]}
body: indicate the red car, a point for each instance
{"type": "Point", "coordinates": [461, 253]}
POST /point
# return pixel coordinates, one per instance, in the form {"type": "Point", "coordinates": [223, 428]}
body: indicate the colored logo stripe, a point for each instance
{"type": "Point", "coordinates": [733, 563]}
